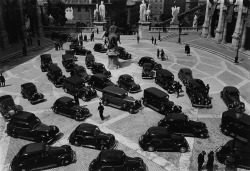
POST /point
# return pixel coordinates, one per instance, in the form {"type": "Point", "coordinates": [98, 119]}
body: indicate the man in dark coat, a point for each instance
{"type": "Point", "coordinates": [101, 109]}
{"type": "Point", "coordinates": [210, 161]}
{"type": "Point", "coordinates": [155, 42]}
{"type": "Point", "coordinates": [158, 52]}
{"type": "Point", "coordinates": [187, 49]}
{"type": "Point", "coordinates": [2, 81]}
{"type": "Point", "coordinates": [152, 39]}
{"type": "Point", "coordinates": [201, 160]}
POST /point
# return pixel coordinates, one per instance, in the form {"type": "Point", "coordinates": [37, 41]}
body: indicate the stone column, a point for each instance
{"type": "Point", "coordinates": [224, 31]}
{"type": "Point", "coordinates": [113, 62]}
{"type": "Point", "coordinates": [237, 30]}
{"type": "Point", "coordinates": [243, 38]}
{"type": "Point", "coordinates": [39, 22]}
{"type": "Point", "coordinates": [206, 22]}
{"type": "Point", "coordinates": [23, 29]}
{"type": "Point", "coordinates": [209, 27]}
{"type": "Point", "coordinates": [3, 34]}
{"type": "Point", "coordinates": [218, 35]}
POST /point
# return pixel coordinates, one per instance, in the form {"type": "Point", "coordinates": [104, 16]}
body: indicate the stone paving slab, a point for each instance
{"type": "Point", "coordinates": [229, 78]}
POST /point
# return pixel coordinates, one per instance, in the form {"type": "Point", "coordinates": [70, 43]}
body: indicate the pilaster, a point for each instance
{"type": "Point", "coordinates": [39, 24]}
{"type": "Point", "coordinates": [219, 29]}
{"type": "Point", "coordinates": [224, 35]}
{"type": "Point", "coordinates": [206, 22]}
{"type": "Point", "coordinates": [3, 34]}
{"type": "Point", "coordinates": [243, 39]}
{"type": "Point", "coordinates": [237, 30]}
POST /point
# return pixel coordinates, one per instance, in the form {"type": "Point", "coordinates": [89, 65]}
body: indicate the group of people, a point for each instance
{"type": "Point", "coordinates": [59, 45]}
{"type": "Point", "coordinates": [2, 81]}
{"type": "Point", "coordinates": [153, 40]}
{"type": "Point", "coordinates": [210, 161]}
{"type": "Point", "coordinates": [161, 54]}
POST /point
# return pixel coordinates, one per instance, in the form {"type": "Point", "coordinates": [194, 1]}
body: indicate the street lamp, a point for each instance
{"type": "Point", "coordinates": [179, 39]}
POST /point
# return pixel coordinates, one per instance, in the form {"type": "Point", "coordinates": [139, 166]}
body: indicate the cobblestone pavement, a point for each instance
{"type": "Point", "coordinates": [128, 128]}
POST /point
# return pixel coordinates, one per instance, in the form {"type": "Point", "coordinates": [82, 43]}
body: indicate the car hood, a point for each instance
{"type": "Point", "coordinates": [102, 135]}
{"type": "Point", "coordinates": [129, 98]}
{"type": "Point", "coordinates": [234, 98]}
{"type": "Point", "coordinates": [109, 83]}
{"type": "Point", "coordinates": [42, 128]}
{"type": "Point", "coordinates": [82, 74]}
{"type": "Point", "coordinates": [76, 108]}
{"type": "Point", "coordinates": [197, 125]}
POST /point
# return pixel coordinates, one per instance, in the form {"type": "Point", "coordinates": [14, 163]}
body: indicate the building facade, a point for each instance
{"type": "Point", "coordinates": [228, 21]}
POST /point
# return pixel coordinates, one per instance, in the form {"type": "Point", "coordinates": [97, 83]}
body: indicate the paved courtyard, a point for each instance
{"type": "Point", "coordinates": [126, 127]}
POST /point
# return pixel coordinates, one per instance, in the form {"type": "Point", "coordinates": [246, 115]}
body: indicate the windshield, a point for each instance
{"type": "Point", "coordinates": [34, 123]}
{"type": "Point", "coordinates": [70, 104]}
{"type": "Point", "coordinates": [234, 93]}
{"type": "Point", "coordinates": [130, 79]}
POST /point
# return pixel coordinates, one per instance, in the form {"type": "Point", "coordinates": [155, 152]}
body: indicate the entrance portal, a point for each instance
{"type": "Point", "coordinates": [247, 44]}
{"type": "Point", "coordinates": [214, 23]}
{"type": "Point", "coordinates": [230, 29]}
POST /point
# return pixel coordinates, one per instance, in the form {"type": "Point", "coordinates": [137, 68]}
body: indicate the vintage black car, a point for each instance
{"type": "Point", "coordinates": [89, 60]}
{"type": "Point", "coordinates": [127, 82]}
{"type": "Point", "coordinates": [121, 52]}
{"type": "Point", "coordinates": [238, 128]}
{"type": "Point", "coordinates": [40, 156]}
{"type": "Point", "coordinates": [198, 93]}
{"type": "Point", "coordinates": [117, 97]}
{"type": "Point", "coordinates": [75, 86]}
{"type": "Point", "coordinates": [100, 81]}
{"type": "Point", "coordinates": [165, 79]}
{"type": "Point", "coordinates": [98, 47]}
{"type": "Point", "coordinates": [236, 154]}
{"type": "Point", "coordinates": [185, 74]}
{"type": "Point", "coordinates": [71, 52]}
{"type": "Point", "coordinates": [160, 139]}
{"type": "Point", "coordinates": [67, 106]}
{"type": "Point", "coordinates": [68, 62]}
{"type": "Point", "coordinates": [8, 108]}
{"type": "Point", "coordinates": [179, 124]}
{"type": "Point", "coordinates": [79, 50]}
{"type": "Point", "coordinates": [55, 75]}
{"type": "Point", "coordinates": [46, 61]}
{"type": "Point", "coordinates": [116, 160]}
{"type": "Point", "coordinates": [231, 96]}
{"type": "Point", "coordinates": [29, 91]}
{"type": "Point", "coordinates": [81, 72]}
{"type": "Point", "coordinates": [100, 68]}
{"type": "Point", "coordinates": [147, 59]}
{"type": "Point", "coordinates": [159, 101]}
{"type": "Point", "coordinates": [26, 125]}
{"type": "Point", "coordinates": [147, 71]}
{"type": "Point", "coordinates": [89, 135]}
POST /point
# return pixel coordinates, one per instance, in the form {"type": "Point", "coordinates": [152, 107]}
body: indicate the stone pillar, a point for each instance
{"type": "Point", "coordinates": [206, 22]}
{"type": "Point", "coordinates": [3, 34]}
{"type": "Point", "coordinates": [209, 27]}
{"type": "Point", "coordinates": [243, 38]}
{"type": "Point", "coordinates": [39, 22]}
{"type": "Point", "coordinates": [237, 30]}
{"type": "Point", "coordinates": [23, 29]}
{"type": "Point", "coordinates": [219, 29]}
{"type": "Point", "coordinates": [113, 62]}
{"type": "Point", "coordinates": [224, 31]}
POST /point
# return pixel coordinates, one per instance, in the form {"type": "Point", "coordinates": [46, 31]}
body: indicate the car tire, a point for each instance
{"type": "Point", "coordinates": [131, 111]}
{"type": "Point", "coordinates": [105, 102]}
{"type": "Point", "coordinates": [145, 103]}
{"type": "Point", "coordinates": [104, 147]}
{"type": "Point", "coordinates": [77, 117]}
{"type": "Point", "coordinates": [151, 148]}
{"type": "Point", "coordinates": [183, 149]}
{"type": "Point", "coordinates": [65, 90]}
{"type": "Point", "coordinates": [76, 143]}
{"type": "Point", "coordinates": [55, 110]}
{"type": "Point", "coordinates": [162, 108]}
{"type": "Point", "coordinates": [65, 162]}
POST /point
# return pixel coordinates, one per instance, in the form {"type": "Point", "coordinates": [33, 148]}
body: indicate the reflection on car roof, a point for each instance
{"type": "Point", "coordinates": [34, 148]}
{"type": "Point", "coordinates": [28, 85]}
{"type": "Point", "coordinates": [74, 80]}
{"type": "Point", "coordinates": [165, 72]}
{"type": "Point", "coordinates": [196, 82]}
{"type": "Point", "coordinates": [147, 65]}
{"type": "Point", "coordinates": [177, 116]}
{"type": "Point", "coordinates": [126, 76]}
{"type": "Point", "coordinates": [2, 98]}
{"type": "Point", "coordinates": [159, 93]}
{"type": "Point", "coordinates": [147, 57]}
{"type": "Point", "coordinates": [111, 155]}
{"type": "Point", "coordinates": [86, 127]}
{"type": "Point", "coordinates": [98, 64]}
{"type": "Point", "coordinates": [186, 70]}
{"type": "Point", "coordinates": [245, 118]}
{"type": "Point", "coordinates": [22, 115]}
{"type": "Point", "coordinates": [231, 89]}
{"type": "Point", "coordinates": [45, 56]}
{"type": "Point", "coordinates": [64, 99]}
{"type": "Point", "coordinates": [79, 67]}
{"type": "Point", "coordinates": [54, 67]}
{"type": "Point", "coordinates": [101, 76]}
{"type": "Point", "coordinates": [158, 131]}
{"type": "Point", "coordinates": [67, 57]}
{"type": "Point", "coordinates": [113, 89]}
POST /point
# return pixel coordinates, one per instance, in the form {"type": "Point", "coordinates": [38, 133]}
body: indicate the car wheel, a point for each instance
{"type": "Point", "coordinates": [151, 148]}
{"type": "Point", "coordinates": [76, 143]}
{"type": "Point", "coordinates": [104, 147]}
{"type": "Point", "coordinates": [55, 110]}
{"type": "Point", "coordinates": [64, 162]}
{"type": "Point", "coordinates": [65, 90]}
{"type": "Point", "coordinates": [77, 117]}
{"type": "Point", "coordinates": [183, 149]}
{"type": "Point", "coordinates": [105, 102]}
{"type": "Point", "coordinates": [131, 111]}
{"type": "Point", "coordinates": [145, 103]}
{"type": "Point", "coordinates": [162, 108]}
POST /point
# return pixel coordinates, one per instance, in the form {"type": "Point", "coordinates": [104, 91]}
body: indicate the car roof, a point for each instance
{"type": "Point", "coordinates": [86, 127]}
{"type": "Point", "coordinates": [177, 116]}
{"type": "Point", "coordinates": [147, 65]}
{"type": "Point", "coordinates": [23, 115]}
{"type": "Point", "coordinates": [186, 70]}
{"type": "Point", "coordinates": [147, 57]}
{"type": "Point", "coordinates": [74, 80]}
{"type": "Point", "coordinates": [34, 148]}
{"type": "Point", "coordinates": [111, 155]}
{"type": "Point", "coordinates": [165, 72]}
{"type": "Point", "coordinates": [67, 56]}
{"type": "Point", "coordinates": [156, 92]}
{"type": "Point", "coordinates": [114, 89]}
{"type": "Point", "coordinates": [196, 82]}
{"type": "Point", "coordinates": [231, 89]}
{"type": "Point", "coordinates": [90, 56]}
{"type": "Point", "coordinates": [64, 99]}
{"type": "Point", "coordinates": [2, 98]}
{"type": "Point", "coordinates": [101, 76]}
{"type": "Point", "coordinates": [158, 131]}
{"type": "Point", "coordinates": [99, 64]}
{"type": "Point", "coordinates": [79, 67]}
{"type": "Point", "coordinates": [54, 67]}
{"type": "Point", "coordinates": [98, 44]}
{"type": "Point", "coordinates": [45, 56]}
{"type": "Point", "coordinates": [28, 85]}
{"type": "Point", "coordinates": [245, 118]}
{"type": "Point", "coordinates": [126, 76]}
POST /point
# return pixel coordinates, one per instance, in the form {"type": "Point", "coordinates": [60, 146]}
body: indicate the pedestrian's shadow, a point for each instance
{"type": "Point", "coordinates": [215, 167]}
{"type": "Point", "coordinates": [6, 85]}
{"type": "Point", "coordinates": [123, 64]}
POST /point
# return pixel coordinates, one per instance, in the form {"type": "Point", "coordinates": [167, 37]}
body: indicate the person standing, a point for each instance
{"type": "Point", "coordinates": [101, 109]}
{"type": "Point", "coordinates": [162, 54]}
{"type": "Point", "coordinates": [61, 44]}
{"type": "Point", "coordinates": [210, 161]}
{"type": "Point", "coordinates": [138, 38]}
{"type": "Point", "coordinates": [118, 38]}
{"type": "Point", "coordinates": [97, 31]}
{"type": "Point", "coordinates": [201, 160]}
{"type": "Point", "coordinates": [187, 49]}
{"type": "Point", "coordinates": [155, 42]}
{"type": "Point", "coordinates": [2, 79]}
{"type": "Point", "coordinates": [92, 36]}
{"type": "Point", "coordinates": [152, 39]}
{"type": "Point", "coordinates": [158, 52]}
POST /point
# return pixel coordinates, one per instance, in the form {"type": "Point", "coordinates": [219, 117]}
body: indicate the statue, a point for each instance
{"type": "Point", "coordinates": [69, 13]}
{"type": "Point", "coordinates": [175, 12]}
{"type": "Point", "coordinates": [102, 11]}
{"type": "Point", "coordinates": [96, 13]}
{"type": "Point", "coordinates": [143, 11]}
{"type": "Point", "coordinates": [148, 12]}
{"type": "Point", "coordinates": [112, 36]}
{"type": "Point", "coordinates": [195, 21]}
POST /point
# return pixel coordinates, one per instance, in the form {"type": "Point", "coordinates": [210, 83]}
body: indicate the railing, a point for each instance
{"type": "Point", "coordinates": [175, 29]}
{"type": "Point", "coordinates": [64, 29]}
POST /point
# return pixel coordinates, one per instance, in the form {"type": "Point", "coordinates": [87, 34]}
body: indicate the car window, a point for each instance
{"type": "Point", "coordinates": [34, 123]}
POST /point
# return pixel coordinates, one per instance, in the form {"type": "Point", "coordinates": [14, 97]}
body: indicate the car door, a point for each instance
{"type": "Point", "coordinates": [187, 129]}
{"type": "Point", "coordinates": [43, 160]}
{"type": "Point", "coordinates": [25, 132]}
{"type": "Point", "coordinates": [65, 110]}
{"type": "Point", "coordinates": [120, 167]}
{"type": "Point", "coordinates": [89, 139]}
{"type": "Point", "coordinates": [168, 144]}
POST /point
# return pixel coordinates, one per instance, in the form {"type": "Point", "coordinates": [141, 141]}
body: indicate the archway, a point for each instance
{"type": "Point", "coordinates": [214, 23]}
{"type": "Point", "coordinates": [247, 44]}
{"type": "Point", "coordinates": [230, 28]}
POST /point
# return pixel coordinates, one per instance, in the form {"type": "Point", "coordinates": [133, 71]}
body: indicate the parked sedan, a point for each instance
{"type": "Point", "coordinates": [46, 61]}
{"type": "Point", "coordinates": [100, 81]}
{"type": "Point", "coordinates": [98, 47]}
{"type": "Point", "coordinates": [8, 108]}
{"type": "Point", "coordinates": [151, 60]}
{"type": "Point", "coordinates": [185, 74]}
{"type": "Point", "coordinates": [231, 96]}
{"type": "Point", "coordinates": [111, 160]}
{"type": "Point", "coordinates": [100, 68]}
{"type": "Point", "coordinates": [89, 135]}
{"type": "Point", "coordinates": [67, 106]}
{"type": "Point", "coordinates": [37, 156]}
{"type": "Point", "coordinates": [179, 124]}
{"type": "Point", "coordinates": [127, 82]}
{"type": "Point", "coordinates": [29, 91]}
{"type": "Point", "coordinates": [81, 72]}
{"type": "Point", "coordinates": [122, 53]}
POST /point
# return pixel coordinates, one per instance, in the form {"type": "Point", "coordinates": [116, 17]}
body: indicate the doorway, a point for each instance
{"type": "Point", "coordinates": [247, 44]}
{"type": "Point", "coordinates": [230, 29]}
